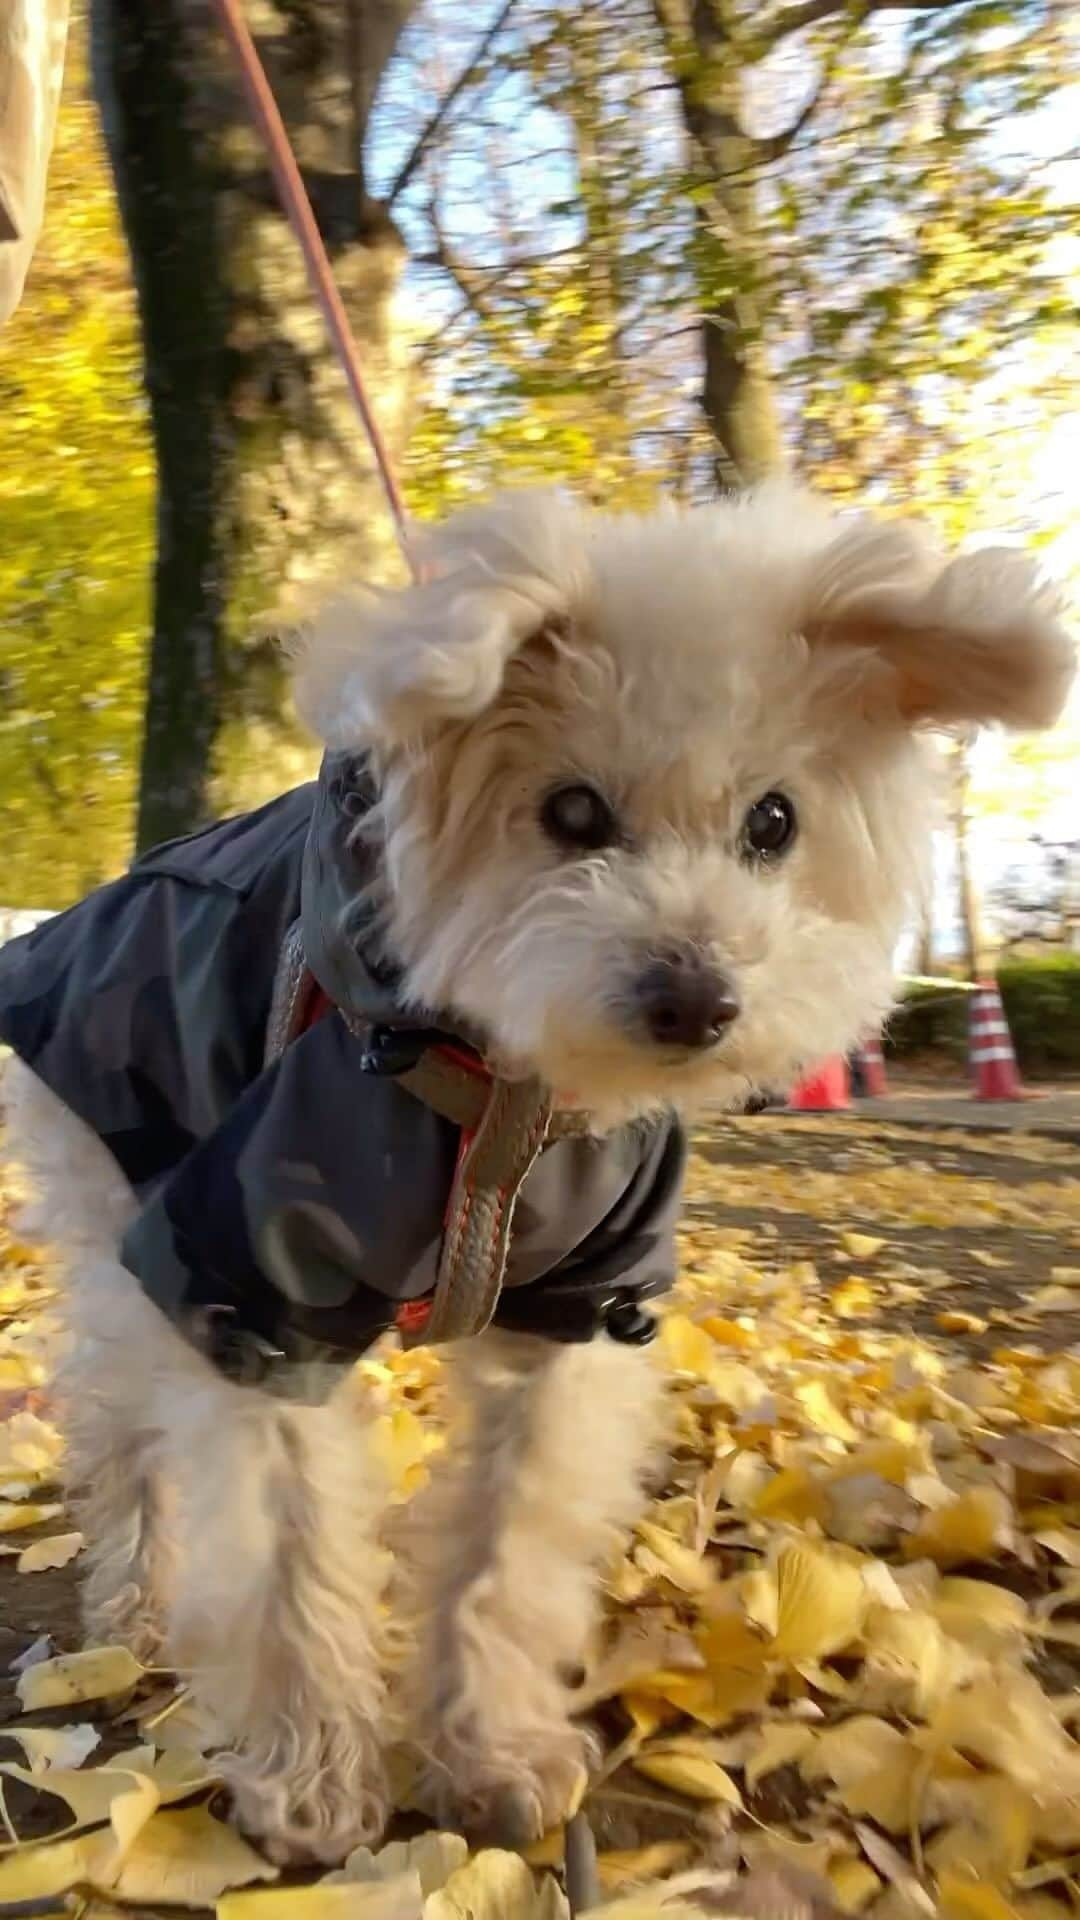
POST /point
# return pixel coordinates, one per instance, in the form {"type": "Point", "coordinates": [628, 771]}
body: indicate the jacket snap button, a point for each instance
{"type": "Point", "coordinates": [630, 1324]}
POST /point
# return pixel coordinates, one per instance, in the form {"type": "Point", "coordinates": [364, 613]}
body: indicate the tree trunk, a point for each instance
{"type": "Point", "coordinates": [924, 954]}
{"type": "Point", "coordinates": [263, 480]}
{"type": "Point", "coordinates": [603, 354]}
{"type": "Point", "coordinates": [974, 958]}
{"type": "Point", "coordinates": [737, 393]}
{"type": "Point", "coordinates": [1070, 901]}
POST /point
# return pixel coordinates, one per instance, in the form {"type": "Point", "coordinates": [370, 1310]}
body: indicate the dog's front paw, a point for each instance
{"type": "Point", "coordinates": [506, 1795]}
{"type": "Point", "coordinates": [315, 1812]}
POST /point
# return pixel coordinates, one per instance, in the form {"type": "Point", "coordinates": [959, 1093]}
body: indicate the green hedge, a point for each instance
{"type": "Point", "coordinates": [1042, 1006]}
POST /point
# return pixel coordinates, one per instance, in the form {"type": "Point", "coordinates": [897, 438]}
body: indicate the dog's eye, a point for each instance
{"type": "Point", "coordinates": [578, 817]}
{"type": "Point", "coordinates": [769, 828]}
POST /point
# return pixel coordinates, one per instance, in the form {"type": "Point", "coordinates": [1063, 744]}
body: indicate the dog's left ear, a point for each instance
{"type": "Point", "coordinates": [975, 640]}
{"type": "Point", "coordinates": [385, 667]}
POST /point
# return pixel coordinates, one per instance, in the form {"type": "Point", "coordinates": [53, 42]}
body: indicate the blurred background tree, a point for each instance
{"type": "Point", "coordinates": [76, 512]}
{"type": "Point", "coordinates": [261, 481]}
{"type": "Point", "coordinates": [645, 246]}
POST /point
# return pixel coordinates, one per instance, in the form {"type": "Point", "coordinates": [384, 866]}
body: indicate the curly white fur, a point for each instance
{"type": "Point", "coordinates": [500, 1556]}
{"type": "Point", "coordinates": [684, 665]}
{"type": "Point", "coordinates": [230, 1533]}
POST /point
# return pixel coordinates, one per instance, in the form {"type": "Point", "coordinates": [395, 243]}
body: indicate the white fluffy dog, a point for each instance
{"type": "Point", "coordinates": [650, 808]}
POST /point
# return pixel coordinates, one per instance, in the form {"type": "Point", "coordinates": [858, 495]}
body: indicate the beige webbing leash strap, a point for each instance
{"type": "Point", "coordinates": [489, 1176]}
{"type": "Point", "coordinates": [504, 1126]}
{"type": "Point", "coordinates": [290, 998]}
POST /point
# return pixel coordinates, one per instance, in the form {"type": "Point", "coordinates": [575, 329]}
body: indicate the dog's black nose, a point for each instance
{"type": "Point", "coordinates": [685, 1002]}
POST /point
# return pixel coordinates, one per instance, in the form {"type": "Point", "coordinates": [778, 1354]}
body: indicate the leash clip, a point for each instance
{"type": "Point", "coordinates": [392, 1051]}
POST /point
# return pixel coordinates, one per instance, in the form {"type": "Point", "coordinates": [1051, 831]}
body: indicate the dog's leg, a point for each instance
{"type": "Point", "coordinates": [275, 1614]}
{"type": "Point", "coordinates": [502, 1552]}
{"type": "Point", "coordinates": [77, 1202]}
{"type": "Point", "coordinates": [104, 1393]}
{"type": "Point", "coordinates": [228, 1531]}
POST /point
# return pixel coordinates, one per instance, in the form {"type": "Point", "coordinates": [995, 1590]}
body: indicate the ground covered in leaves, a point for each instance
{"type": "Point", "coordinates": [839, 1667]}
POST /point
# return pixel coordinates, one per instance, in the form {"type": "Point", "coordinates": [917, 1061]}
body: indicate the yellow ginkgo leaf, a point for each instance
{"type": "Point", "coordinates": [180, 1772]}
{"type": "Point", "coordinates": [646, 1713]}
{"type": "Point", "coordinates": [772, 1845]}
{"type": "Point", "coordinates": [954, 1320]}
{"type": "Point", "coordinates": [713, 1698]}
{"type": "Point", "coordinates": [852, 1299]}
{"type": "Point", "coordinates": [857, 1746]}
{"type": "Point", "coordinates": [186, 1859]}
{"type": "Point", "coordinates": [861, 1246]}
{"type": "Point", "coordinates": [687, 1347]}
{"type": "Point", "coordinates": [821, 1603]}
{"type": "Point", "coordinates": [854, 1883]}
{"type": "Point", "coordinates": [636, 1866]}
{"type": "Point", "coordinates": [993, 1839]}
{"type": "Point", "coordinates": [675, 1561]}
{"type": "Point", "coordinates": [886, 1796]}
{"type": "Point", "coordinates": [97, 1674]}
{"type": "Point", "coordinates": [93, 1793]}
{"type": "Point", "coordinates": [986, 1618]}
{"type": "Point", "coordinates": [793, 1495]}
{"type": "Point", "coordinates": [45, 1747]}
{"type": "Point", "coordinates": [662, 1901]}
{"type": "Point", "coordinates": [56, 1551]}
{"type": "Point", "coordinates": [16, 1372]}
{"type": "Point", "coordinates": [780, 1744]}
{"type": "Point", "coordinates": [48, 1870]}
{"type": "Point", "coordinates": [976, 1525]}
{"type": "Point", "coordinates": [821, 1412]}
{"type": "Point", "coordinates": [886, 1459]}
{"type": "Point", "coordinates": [1042, 1906]}
{"type": "Point", "coordinates": [29, 1444]}
{"type": "Point", "coordinates": [402, 1443]}
{"type": "Point", "coordinates": [730, 1333]}
{"type": "Point", "coordinates": [643, 1645]}
{"type": "Point", "coordinates": [759, 1602]}
{"type": "Point", "coordinates": [1005, 1721]}
{"type": "Point", "coordinates": [549, 1850]}
{"type": "Point", "coordinates": [694, 1775]}
{"type": "Point", "coordinates": [497, 1886]}
{"type": "Point", "coordinates": [433, 1857]}
{"type": "Point", "coordinates": [1063, 1542]}
{"type": "Point", "coordinates": [910, 1663]}
{"type": "Point", "coordinates": [399, 1898]}
{"type": "Point", "coordinates": [17, 1514]}
{"type": "Point", "coordinates": [962, 1898]}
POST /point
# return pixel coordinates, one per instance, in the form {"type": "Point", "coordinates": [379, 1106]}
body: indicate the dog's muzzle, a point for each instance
{"type": "Point", "coordinates": [685, 1003]}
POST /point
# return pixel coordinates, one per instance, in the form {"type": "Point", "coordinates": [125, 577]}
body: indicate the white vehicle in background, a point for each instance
{"type": "Point", "coordinates": [1036, 899]}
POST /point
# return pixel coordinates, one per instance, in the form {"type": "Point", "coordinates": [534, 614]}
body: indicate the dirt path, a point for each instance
{"type": "Point", "coordinates": [986, 1224]}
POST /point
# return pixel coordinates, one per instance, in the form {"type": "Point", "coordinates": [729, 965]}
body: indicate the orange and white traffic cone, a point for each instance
{"type": "Point", "coordinates": [826, 1090]}
{"type": "Point", "coordinates": [992, 1060]}
{"type": "Point", "coordinates": [871, 1070]}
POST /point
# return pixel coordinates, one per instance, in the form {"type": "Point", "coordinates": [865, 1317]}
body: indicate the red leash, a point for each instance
{"type": "Point", "coordinates": [294, 199]}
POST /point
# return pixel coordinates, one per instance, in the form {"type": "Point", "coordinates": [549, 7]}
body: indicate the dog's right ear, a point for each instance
{"type": "Point", "coordinates": [387, 667]}
{"type": "Point", "coordinates": [978, 639]}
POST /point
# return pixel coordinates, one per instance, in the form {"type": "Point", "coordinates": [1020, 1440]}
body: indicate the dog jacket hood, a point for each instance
{"type": "Point", "coordinates": [293, 1208]}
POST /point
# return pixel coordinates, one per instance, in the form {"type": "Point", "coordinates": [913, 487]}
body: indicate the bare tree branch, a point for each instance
{"type": "Point", "coordinates": [472, 286]}
{"type": "Point", "coordinates": [767, 34]}
{"type": "Point", "coordinates": [781, 143]}
{"type": "Point", "coordinates": [424, 139]}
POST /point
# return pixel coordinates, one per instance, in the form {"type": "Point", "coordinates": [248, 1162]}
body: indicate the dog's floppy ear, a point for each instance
{"type": "Point", "coordinates": [974, 640]}
{"type": "Point", "coordinates": [382, 666]}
